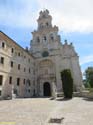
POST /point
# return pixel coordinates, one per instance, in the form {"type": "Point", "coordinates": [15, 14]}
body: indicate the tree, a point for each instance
{"type": "Point", "coordinates": [67, 83]}
{"type": "Point", "coordinates": [86, 84]}
{"type": "Point", "coordinates": [89, 76]}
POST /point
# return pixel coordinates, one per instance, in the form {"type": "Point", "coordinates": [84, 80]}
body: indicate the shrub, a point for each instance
{"type": "Point", "coordinates": [67, 83]}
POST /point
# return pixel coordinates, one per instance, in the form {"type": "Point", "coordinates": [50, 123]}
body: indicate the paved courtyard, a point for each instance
{"type": "Point", "coordinates": [38, 111]}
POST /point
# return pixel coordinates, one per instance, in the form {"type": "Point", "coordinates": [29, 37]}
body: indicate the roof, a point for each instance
{"type": "Point", "coordinates": [16, 43]}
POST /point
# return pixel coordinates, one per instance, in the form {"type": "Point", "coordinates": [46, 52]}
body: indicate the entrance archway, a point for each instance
{"type": "Point", "coordinates": [47, 89]}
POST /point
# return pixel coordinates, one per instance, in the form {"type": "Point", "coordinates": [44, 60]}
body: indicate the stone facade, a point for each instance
{"type": "Point", "coordinates": [43, 63]}
{"type": "Point", "coordinates": [52, 56]}
{"type": "Point", "coordinates": [16, 69]}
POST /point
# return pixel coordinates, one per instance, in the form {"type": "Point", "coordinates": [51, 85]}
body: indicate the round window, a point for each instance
{"type": "Point", "coordinates": [45, 54]}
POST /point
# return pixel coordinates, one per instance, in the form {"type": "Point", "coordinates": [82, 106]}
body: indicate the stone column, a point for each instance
{"type": "Point", "coordinates": [54, 90]}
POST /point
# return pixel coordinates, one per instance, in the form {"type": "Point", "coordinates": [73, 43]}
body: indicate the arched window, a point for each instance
{"type": "Point", "coordinates": [3, 44]}
{"type": "Point", "coordinates": [47, 24]}
{"type": "Point", "coordinates": [51, 37]}
{"type": "Point", "coordinates": [38, 39]}
{"type": "Point", "coordinates": [45, 38]}
{"type": "Point", "coordinates": [45, 54]}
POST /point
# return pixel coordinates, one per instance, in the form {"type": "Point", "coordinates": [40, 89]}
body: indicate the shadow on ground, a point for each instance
{"type": "Point", "coordinates": [63, 99]}
{"type": "Point", "coordinates": [88, 99]}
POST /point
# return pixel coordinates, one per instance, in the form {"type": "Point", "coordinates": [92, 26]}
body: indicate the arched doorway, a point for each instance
{"type": "Point", "coordinates": [47, 89]}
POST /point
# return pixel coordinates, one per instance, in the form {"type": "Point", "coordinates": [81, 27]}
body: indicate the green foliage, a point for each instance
{"type": "Point", "coordinates": [91, 90]}
{"type": "Point", "coordinates": [89, 76]}
{"type": "Point", "coordinates": [86, 84]}
{"type": "Point", "coordinates": [67, 83]}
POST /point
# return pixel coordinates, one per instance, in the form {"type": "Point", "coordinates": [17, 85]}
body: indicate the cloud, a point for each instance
{"type": "Point", "coordinates": [69, 15]}
{"type": "Point", "coordinates": [86, 59]}
{"type": "Point", "coordinates": [17, 13]}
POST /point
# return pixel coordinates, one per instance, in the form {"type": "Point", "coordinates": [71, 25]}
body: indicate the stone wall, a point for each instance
{"type": "Point", "coordinates": [13, 53]}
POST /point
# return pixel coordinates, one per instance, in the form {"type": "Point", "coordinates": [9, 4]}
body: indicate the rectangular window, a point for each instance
{"type": "Point", "coordinates": [1, 79]}
{"type": "Point", "coordinates": [29, 70]}
{"type": "Point", "coordinates": [12, 50]}
{"type": "Point", "coordinates": [19, 54]}
{"type": "Point", "coordinates": [2, 60]}
{"type": "Point", "coordinates": [18, 66]}
{"type": "Point", "coordinates": [29, 90]}
{"type": "Point", "coordinates": [24, 81]}
{"type": "Point", "coordinates": [11, 63]}
{"type": "Point", "coordinates": [3, 44]}
{"type": "Point", "coordinates": [29, 83]}
{"type": "Point", "coordinates": [18, 81]}
{"type": "Point", "coordinates": [24, 69]}
{"type": "Point", "coordinates": [10, 80]}
{"type": "Point", "coordinates": [0, 92]}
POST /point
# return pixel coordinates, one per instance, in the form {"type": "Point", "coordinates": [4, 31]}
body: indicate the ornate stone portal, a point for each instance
{"type": "Point", "coordinates": [46, 74]}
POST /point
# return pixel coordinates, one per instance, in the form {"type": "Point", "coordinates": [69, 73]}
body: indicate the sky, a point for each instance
{"type": "Point", "coordinates": [73, 17]}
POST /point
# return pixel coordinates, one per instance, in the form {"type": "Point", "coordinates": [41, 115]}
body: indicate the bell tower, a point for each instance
{"type": "Point", "coordinates": [46, 37]}
{"type": "Point", "coordinates": [44, 20]}
{"type": "Point", "coordinates": [52, 56]}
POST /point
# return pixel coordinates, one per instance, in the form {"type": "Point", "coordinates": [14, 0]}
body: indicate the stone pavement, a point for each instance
{"type": "Point", "coordinates": [77, 111]}
{"type": "Point", "coordinates": [32, 111]}
{"type": "Point", "coordinates": [38, 111]}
